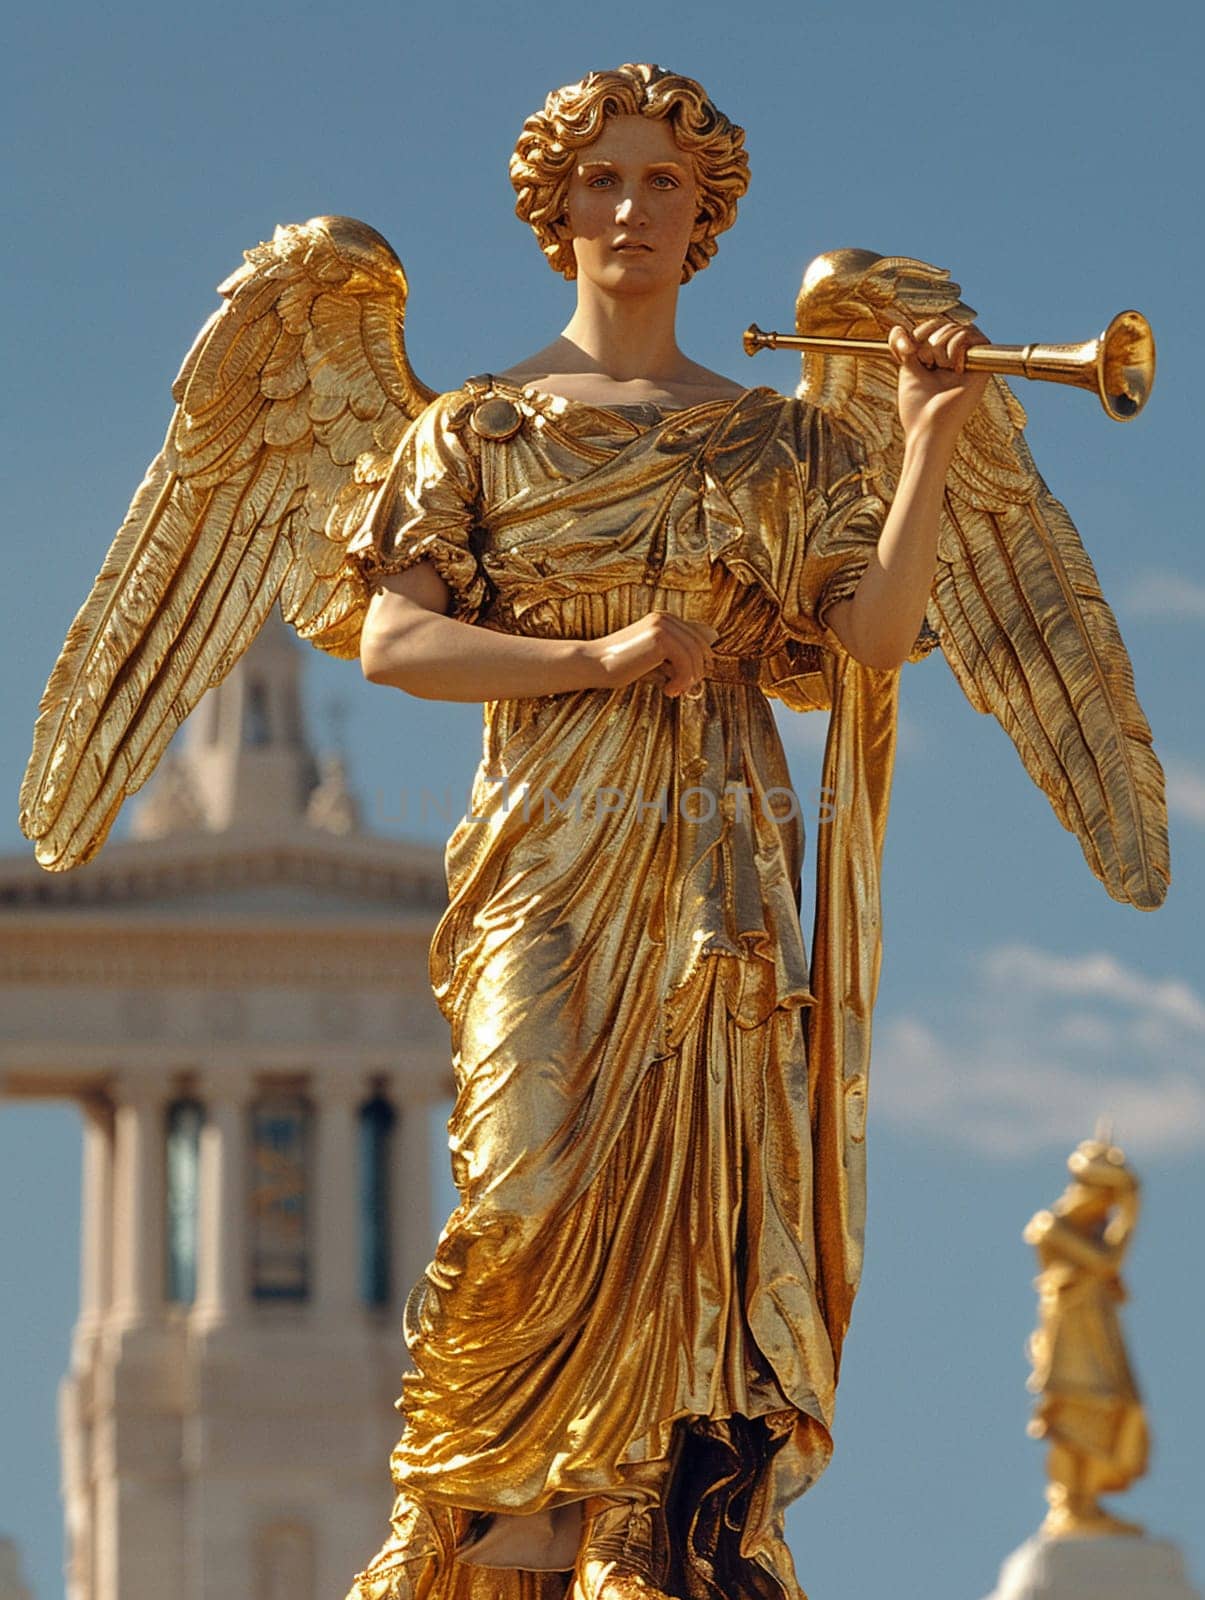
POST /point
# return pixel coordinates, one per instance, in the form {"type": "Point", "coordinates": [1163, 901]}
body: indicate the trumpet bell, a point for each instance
{"type": "Point", "coordinates": [1119, 366]}
{"type": "Point", "coordinates": [1125, 365]}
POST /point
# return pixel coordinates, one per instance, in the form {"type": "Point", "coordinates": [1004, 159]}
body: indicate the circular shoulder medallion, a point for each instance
{"type": "Point", "coordinates": [496, 419]}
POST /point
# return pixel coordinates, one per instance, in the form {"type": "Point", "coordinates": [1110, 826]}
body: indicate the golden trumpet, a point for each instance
{"type": "Point", "coordinates": [1119, 366]}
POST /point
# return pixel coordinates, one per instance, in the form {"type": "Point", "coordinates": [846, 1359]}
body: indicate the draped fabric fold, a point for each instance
{"type": "Point", "coordinates": [657, 1136]}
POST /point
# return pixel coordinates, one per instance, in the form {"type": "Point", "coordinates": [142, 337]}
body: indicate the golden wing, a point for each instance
{"type": "Point", "coordinates": [289, 407]}
{"type": "Point", "coordinates": [1016, 605]}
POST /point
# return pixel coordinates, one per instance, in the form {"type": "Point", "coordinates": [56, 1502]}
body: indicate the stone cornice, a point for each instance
{"type": "Point", "coordinates": [213, 952]}
{"type": "Point", "coordinates": [377, 871]}
{"type": "Point", "coordinates": [36, 1071]}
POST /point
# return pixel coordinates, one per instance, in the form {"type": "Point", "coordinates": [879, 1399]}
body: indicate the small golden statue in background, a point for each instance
{"type": "Point", "coordinates": [1089, 1407]}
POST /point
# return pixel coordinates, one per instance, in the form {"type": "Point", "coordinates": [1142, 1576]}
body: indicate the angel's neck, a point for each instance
{"type": "Point", "coordinates": [628, 336]}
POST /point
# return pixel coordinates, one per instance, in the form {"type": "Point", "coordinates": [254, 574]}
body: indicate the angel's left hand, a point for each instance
{"type": "Point", "coordinates": [936, 391]}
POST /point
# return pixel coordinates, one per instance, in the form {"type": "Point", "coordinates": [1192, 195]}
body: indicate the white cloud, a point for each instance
{"type": "Point", "coordinates": [1099, 976]}
{"type": "Point", "coordinates": [1166, 595]}
{"type": "Point", "coordinates": [1185, 790]}
{"type": "Point", "coordinates": [1038, 1047]}
{"type": "Point", "coordinates": [805, 732]}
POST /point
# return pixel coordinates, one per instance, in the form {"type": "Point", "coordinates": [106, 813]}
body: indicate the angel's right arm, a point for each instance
{"type": "Point", "coordinates": [410, 643]}
{"type": "Point", "coordinates": [415, 552]}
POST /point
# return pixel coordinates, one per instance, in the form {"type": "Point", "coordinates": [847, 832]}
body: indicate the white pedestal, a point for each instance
{"type": "Point", "coordinates": [1121, 1567]}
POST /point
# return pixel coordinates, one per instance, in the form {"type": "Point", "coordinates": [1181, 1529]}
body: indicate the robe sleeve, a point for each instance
{"type": "Point", "coordinates": [811, 537]}
{"type": "Point", "coordinates": [845, 511]}
{"type": "Point", "coordinates": [426, 509]}
{"type": "Point", "coordinates": [844, 514]}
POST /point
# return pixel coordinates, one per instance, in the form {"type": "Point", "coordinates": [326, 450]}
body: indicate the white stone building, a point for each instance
{"type": "Point", "coordinates": [12, 1584]}
{"type": "Point", "coordinates": [237, 999]}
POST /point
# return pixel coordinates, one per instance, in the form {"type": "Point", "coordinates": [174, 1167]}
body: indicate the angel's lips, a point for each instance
{"type": "Point", "coordinates": [630, 247]}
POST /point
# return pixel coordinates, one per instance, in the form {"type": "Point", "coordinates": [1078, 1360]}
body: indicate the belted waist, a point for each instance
{"type": "Point", "coordinates": [734, 669]}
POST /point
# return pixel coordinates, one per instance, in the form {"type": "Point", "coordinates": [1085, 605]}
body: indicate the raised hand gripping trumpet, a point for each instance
{"type": "Point", "coordinates": [1119, 365]}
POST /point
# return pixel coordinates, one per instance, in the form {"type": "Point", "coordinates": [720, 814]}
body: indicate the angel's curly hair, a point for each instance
{"type": "Point", "coordinates": [573, 117]}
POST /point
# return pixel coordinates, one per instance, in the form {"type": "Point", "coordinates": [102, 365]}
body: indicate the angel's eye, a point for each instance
{"type": "Point", "coordinates": [601, 181]}
{"type": "Point", "coordinates": [663, 180]}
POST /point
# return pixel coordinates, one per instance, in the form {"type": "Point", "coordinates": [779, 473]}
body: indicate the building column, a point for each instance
{"type": "Point", "coordinates": [138, 1200]}
{"type": "Point", "coordinates": [338, 1097]}
{"type": "Point", "coordinates": [222, 1203]}
{"type": "Point", "coordinates": [415, 1229]}
{"type": "Point", "coordinates": [76, 1473]}
{"type": "Point", "coordinates": [77, 1391]}
{"type": "Point", "coordinates": [96, 1226]}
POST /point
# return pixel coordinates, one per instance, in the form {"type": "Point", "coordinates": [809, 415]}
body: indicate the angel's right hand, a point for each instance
{"type": "Point", "coordinates": [672, 651]}
{"type": "Point", "coordinates": [937, 393]}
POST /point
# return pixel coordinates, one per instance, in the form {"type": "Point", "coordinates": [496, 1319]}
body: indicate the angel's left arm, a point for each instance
{"type": "Point", "coordinates": [880, 621]}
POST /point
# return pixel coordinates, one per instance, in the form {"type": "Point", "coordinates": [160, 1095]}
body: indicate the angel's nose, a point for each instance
{"type": "Point", "coordinates": [629, 210]}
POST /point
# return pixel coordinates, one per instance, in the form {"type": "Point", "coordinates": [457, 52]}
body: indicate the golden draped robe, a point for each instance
{"type": "Point", "coordinates": [657, 1136]}
{"type": "Point", "coordinates": [1088, 1405]}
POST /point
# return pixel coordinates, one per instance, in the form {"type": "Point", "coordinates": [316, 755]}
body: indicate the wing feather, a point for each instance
{"type": "Point", "coordinates": [239, 601]}
{"type": "Point", "coordinates": [289, 406]}
{"type": "Point", "coordinates": [1016, 603]}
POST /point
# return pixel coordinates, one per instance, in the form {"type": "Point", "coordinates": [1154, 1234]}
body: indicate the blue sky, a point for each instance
{"type": "Point", "coordinates": [1048, 154]}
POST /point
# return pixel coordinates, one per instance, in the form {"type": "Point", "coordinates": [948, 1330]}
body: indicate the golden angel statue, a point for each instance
{"type": "Point", "coordinates": [1089, 1407]}
{"type": "Point", "coordinates": [626, 1348]}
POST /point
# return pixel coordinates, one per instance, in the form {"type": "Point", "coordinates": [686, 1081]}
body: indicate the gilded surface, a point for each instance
{"type": "Point", "coordinates": [652, 1257]}
{"type": "Point", "coordinates": [289, 407]}
{"type": "Point", "coordinates": [1015, 603]}
{"type": "Point", "coordinates": [289, 410]}
{"type": "Point", "coordinates": [1088, 1403]}
{"type": "Point", "coordinates": [658, 1135]}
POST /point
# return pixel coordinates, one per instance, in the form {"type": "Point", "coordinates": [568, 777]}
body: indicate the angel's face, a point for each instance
{"type": "Point", "coordinates": [632, 207]}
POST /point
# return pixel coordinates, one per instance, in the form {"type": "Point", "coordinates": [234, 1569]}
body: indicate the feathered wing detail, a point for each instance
{"type": "Point", "coordinates": [1016, 604]}
{"type": "Point", "coordinates": [289, 407]}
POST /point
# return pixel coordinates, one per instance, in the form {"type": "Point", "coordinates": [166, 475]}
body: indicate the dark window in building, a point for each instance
{"type": "Point", "coordinates": [185, 1119]}
{"type": "Point", "coordinates": [280, 1168]}
{"type": "Point", "coordinates": [376, 1234]}
{"type": "Point", "coordinates": [258, 727]}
